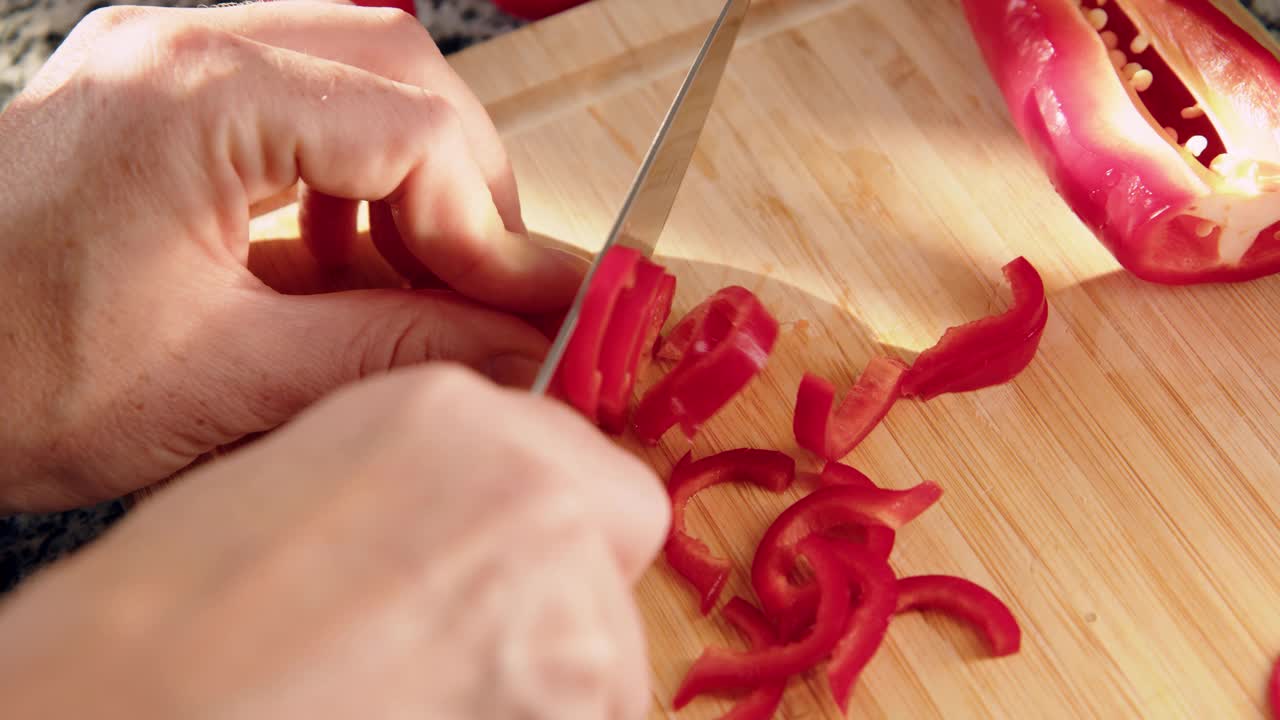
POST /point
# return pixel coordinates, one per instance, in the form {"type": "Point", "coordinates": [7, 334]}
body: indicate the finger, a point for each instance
{"type": "Point", "coordinates": [393, 45]}
{"type": "Point", "coordinates": [327, 225]}
{"type": "Point", "coordinates": [291, 350]}
{"type": "Point", "coordinates": [386, 238]}
{"type": "Point", "coordinates": [357, 135]}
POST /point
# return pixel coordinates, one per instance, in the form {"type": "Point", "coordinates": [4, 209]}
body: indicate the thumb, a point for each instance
{"type": "Point", "coordinates": [291, 350]}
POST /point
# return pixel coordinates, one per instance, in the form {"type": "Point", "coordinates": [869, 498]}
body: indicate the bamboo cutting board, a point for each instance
{"type": "Point", "coordinates": [860, 174]}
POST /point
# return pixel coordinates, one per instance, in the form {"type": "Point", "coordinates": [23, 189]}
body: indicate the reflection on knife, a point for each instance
{"type": "Point", "coordinates": [653, 192]}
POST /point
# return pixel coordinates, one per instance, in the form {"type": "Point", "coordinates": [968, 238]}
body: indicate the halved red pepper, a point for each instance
{"type": "Point", "coordinates": [726, 342]}
{"type": "Point", "coordinates": [408, 6]}
{"type": "Point", "coordinates": [578, 377]}
{"type": "Point", "coordinates": [638, 317]}
{"type": "Point", "coordinates": [719, 669]}
{"type": "Point", "coordinates": [988, 351]}
{"type": "Point", "coordinates": [690, 556]}
{"type": "Point", "coordinates": [877, 600]}
{"type": "Point", "coordinates": [832, 434]}
{"type": "Point", "coordinates": [763, 702]}
{"type": "Point", "coordinates": [1157, 121]}
{"type": "Point", "coordinates": [880, 511]}
{"type": "Point", "coordinates": [535, 9]}
{"type": "Point", "coordinates": [964, 600]}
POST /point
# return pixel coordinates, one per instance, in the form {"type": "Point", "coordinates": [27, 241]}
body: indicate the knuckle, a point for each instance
{"type": "Point", "coordinates": [109, 19]}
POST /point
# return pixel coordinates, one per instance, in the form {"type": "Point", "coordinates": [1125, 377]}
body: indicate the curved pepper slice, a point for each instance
{"type": "Point", "coordinates": [727, 342]}
{"type": "Point", "coordinates": [877, 599]}
{"type": "Point", "coordinates": [638, 317]}
{"type": "Point", "coordinates": [825, 509]}
{"type": "Point", "coordinates": [1157, 121]}
{"type": "Point", "coordinates": [690, 556]}
{"type": "Point", "coordinates": [719, 669]}
{"type": "Point", "coordinates": [763, 702]}
{"type": "Point", "coordinates": [988, 351]}
{"type": "Point", "coordinates": [834, 473]}
{"type": "Point", "coordinates": [965, 600]}
{"type": "Point", "coordinates": [834, 434]}
{"type": "Point", "coordinates": [579, 377]}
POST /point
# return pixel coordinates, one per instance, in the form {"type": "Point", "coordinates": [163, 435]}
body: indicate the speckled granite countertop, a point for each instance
{"type": "Point", "coordinates": [30, 30]}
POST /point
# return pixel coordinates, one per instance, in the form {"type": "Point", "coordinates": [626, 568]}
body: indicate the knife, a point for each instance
{"type": "Point", "coordinates": [653, 191]}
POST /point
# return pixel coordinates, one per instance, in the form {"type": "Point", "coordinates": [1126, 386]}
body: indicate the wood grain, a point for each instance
{"type": "Point", "coordinates": [860, 173]}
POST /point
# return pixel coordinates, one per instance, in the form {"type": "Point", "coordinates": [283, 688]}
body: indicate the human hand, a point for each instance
{"type": "Point", "coordinates": [421, 545]}
{"type": "Point", "coordinates": [133, 337]}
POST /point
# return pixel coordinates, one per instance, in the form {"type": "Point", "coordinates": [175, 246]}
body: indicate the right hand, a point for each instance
{"type": "Point", "coordinates": [424, 544]}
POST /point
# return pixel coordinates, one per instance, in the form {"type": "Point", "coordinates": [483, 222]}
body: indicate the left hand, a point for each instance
{"type": "Point", "coordinates": [133, 337]}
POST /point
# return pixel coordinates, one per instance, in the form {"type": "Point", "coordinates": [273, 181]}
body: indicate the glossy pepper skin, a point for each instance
{"type": "Point", "coordinates": [719, 669]}
{"type": "Point", "coordinates": [988, 351]}
{"type": "Point", "coordinates": [763, 702]}
{"type": "Point", "coordinates": [877, 599]}
{"type": "Point", "coordinates": [1100, 128]}
{"type": "Point", "coordinates": [882, 511]}
{"type": "Point", "coordinates": [719, 346]}
{"type": "Point", "coordinates": [689, 556]}
{"type": "Point", "coordinates": [964, 600]}
{"type": "Point", "coordinates": [833, 432]}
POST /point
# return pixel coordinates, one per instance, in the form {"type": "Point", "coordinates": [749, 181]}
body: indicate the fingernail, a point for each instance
{"type": "Point", "coordinates": [514, 371]}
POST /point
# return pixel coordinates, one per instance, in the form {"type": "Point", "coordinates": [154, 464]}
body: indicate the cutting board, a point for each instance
{"type": "Point", "coordinates": [860, 174]}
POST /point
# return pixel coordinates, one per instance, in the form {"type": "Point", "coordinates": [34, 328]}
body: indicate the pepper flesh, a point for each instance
{"type": "Point", "coordinates": [964, 600]}
{"type": "Point", "coordinates": [820, 511]}
{"type": "Point", "coordinates": [578, 377]}
{"type": "Point", "coordinates": [689, 556]}
{"type": "Point", "coordinates": [719, 669]}
{"type": "Point", "coordinates": [877, 600]}
{"type": "Point", "coordinates": [988, 351]}
{"type": "Point", "coordinates": [729, 339]}
{"type": "Point", "coordinates": [1273, 689]}
{"type": "Point", "coordinates": [638, 317]}
{"type": "Point", "coordinates": [1096, 122]}
{"type": "Point", "coordinates": [834, 473]}
{"type": "Point", "coordinates": [832, 434]}
{"type": "Point", "coordinates": [763, 702]}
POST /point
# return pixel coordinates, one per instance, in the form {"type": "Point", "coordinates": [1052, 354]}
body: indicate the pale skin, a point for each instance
{"type": "Point", "coordinates": [415, 535]}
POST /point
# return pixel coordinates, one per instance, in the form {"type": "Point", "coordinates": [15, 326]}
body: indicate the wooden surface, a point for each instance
{"type": "Point", "coordinates": [859, 172]}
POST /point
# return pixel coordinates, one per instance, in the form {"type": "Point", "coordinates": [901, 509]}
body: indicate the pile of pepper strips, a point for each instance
{"type": "Point", "coordinates": [843, 532]}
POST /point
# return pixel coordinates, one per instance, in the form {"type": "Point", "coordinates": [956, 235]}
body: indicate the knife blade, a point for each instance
{"type": "Point", "coordinates": [657, 182]}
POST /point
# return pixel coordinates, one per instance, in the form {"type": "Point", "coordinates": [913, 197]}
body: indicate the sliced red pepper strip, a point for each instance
{"type": "Point", "coordinates": [578, 377]}
{"type": "Point", "coordinates": [988, 351]}
{"type": "Point", "coordinates": [763, 702]}
{"type": "Point", "coordinates": [821, 511]}
{"type": "Point", "coordinates": [965, 600]}
{"type": "Point", "coordinates": [834, 473]}
{"type": "Point", "coordinates": [877, 600]}
{"type": "Point", "coordinates": [1273, 689]}
{"type": "Point", "coordinates": [729, 343]}
{"type": "Point", "coordinates": [638, 317]}
{"type": "Point", "coordinates": [832, 435]}
{"type": "Point", "coordinates": [1111, 98]}
{"type": "Point", "coordinates": [690, 556]}
{"type": "Point", "coordinates": [720, 669]}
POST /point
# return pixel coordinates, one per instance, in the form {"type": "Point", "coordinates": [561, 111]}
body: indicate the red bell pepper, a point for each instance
{"type": "Point", "coordinates": [688, 555]}
{"type": "Point", "coordinates": [1157, 121]}
{"type": "Point", "coordinates": [834, 473]}
{"type": "Point", "coordinates": [1273, 690]}
{"type": "Point", "coordinates": [877, 600]}
{"type": "Point", "coordinates": [819, 512]}
{"type": "Point", "coordinates": [638, 317]}
{"type": "Point", "coordinates": [719, 669]}
{"type": "Point", "coordinates": [966, 601]}
{"type": "Point", "coordinates": [579, 377]}
{"type": "Point", "coordinates": [763, 702]}
{"type": "Point", "coordinates": [832, 435]}
{"type": "Point", "coordinates": [408, 6]}
{"type": "Point", "coordinates": [988, 351]}
{"type": "Point", "coordinates": [728, 338]}
{"type": "Point", "coordinates": [535, 9]}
